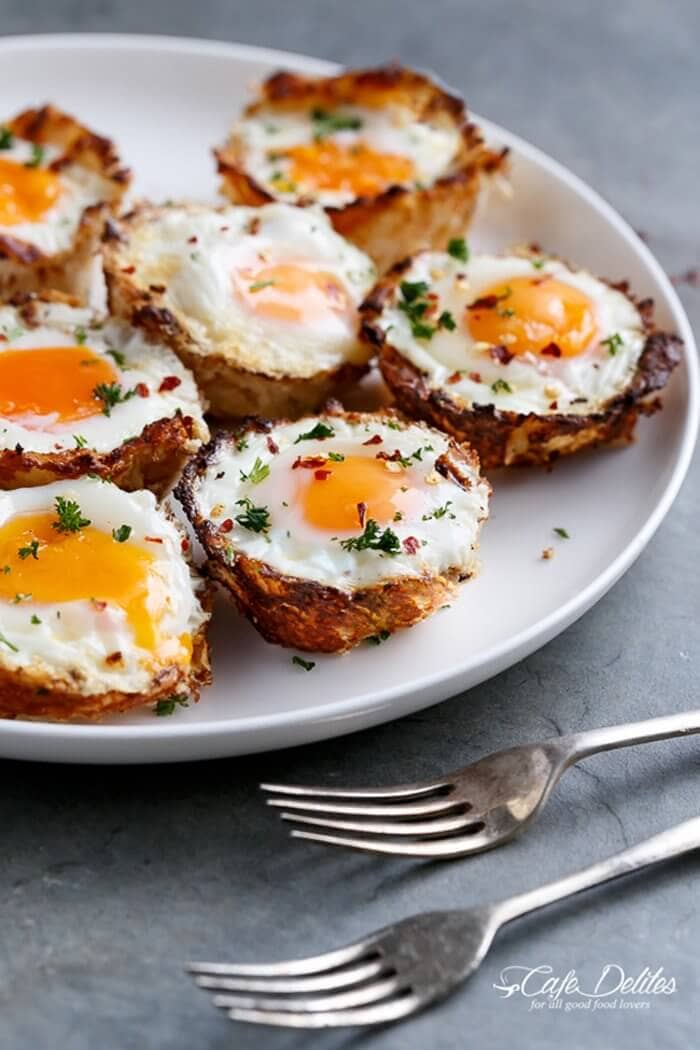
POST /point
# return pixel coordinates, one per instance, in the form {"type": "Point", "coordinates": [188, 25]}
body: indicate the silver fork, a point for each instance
{"type": "Point", "coordinates": [402, 968]}
{"type": "Point", "coordinates": [473, 809]}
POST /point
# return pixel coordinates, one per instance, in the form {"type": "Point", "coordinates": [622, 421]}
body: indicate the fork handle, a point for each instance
{"type": "Point", "coordinates": [672, 843]}
{"type": "Point", "coordinates": [580, 745]}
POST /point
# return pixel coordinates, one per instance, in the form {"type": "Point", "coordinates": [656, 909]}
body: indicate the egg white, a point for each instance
{"type": "Point", "coordinates": [293, 547]}
{"type": "Point", "coordinates": [193, 251]}
{"type": "Point", "coordinates": [576, 385]}
{"type": "Point", "coordinates": [390, 130]}
{"type": "Point", "coordinates": [74, 636]}
{"type": "Point", "coordinates": [80, 188]}
{"type": "Point", "coordinates": [143, 363]}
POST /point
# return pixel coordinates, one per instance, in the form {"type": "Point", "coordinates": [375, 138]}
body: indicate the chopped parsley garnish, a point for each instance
{"type": "Point", "coordinates": [70, 517]}
{"type": "Point", "coordinates": [373, 539]}
{"type": "Point", "coordinates": [325, 123]}
{"type": "Point", "coordinates": [195, 256]}
{"type": "Point", "coordinates": [440, 512]}
{"type": "Point", "coordinates": [35, 619]}
{"type": "Point", "coordinates": [258, 472]}
{"type": "Point", "coordinates": [538, 263]}
{"type": "Point", "coordinates": [118, 357]}
{"type": "Point", "coordinates": [415, 305]}
{"type": "Point", "coordinates": [259, 285]}
{"type": "Point", "coordinates": [80, 335]}
{"type": "Point", "coordinates": [241, 444]}
{"type": "Point", "coordinates": [80, 441]}
{"type": "Point", "coordinates": [308, 665]}
{"type": "Point", "coordinates": [167, 706]}
{"type": "Point", "coordinates": [412, 290]}
{"type": "Point", "coordinates": [336, 457]}
{"type": "Point", "coordinates": [377, 639]}
{"type": "Point", "coordinates": [257, 519]}
{"type": "Point", "coordinates": [393, 425]}
{"type": "Point", "coordinates": [562, 533]}
{"type": "Point", "coordinates": [458, 249]}
{"type": "Point", "coordinates": [506, 312]}
{"type": "Point", "coordinates": [30, 551]}
{"type": "Point", "coordinates": [446, 320]}
{"type": "Point", "coordinates": [8, 643]}
{"type": "Point", "coordinates": [613, 343]}
{"type": "Point", "coordinates": [7, 139]}
{"type": "Point", "coordinates": [317, 433]}
{"type": "Point", "coordinates": [501, 386]}
{"type": "Point", "coordinates": [121, 535]}
{"type": "Point", "coordinates": [111, 394]}
{"type": "Point", "coordinates": [22, 596]}
{"type": "Point", "coordinates": [36, 157]}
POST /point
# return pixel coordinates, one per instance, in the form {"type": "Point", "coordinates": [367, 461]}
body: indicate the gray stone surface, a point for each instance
{"type": "Point", "coordinates": [111, 877]}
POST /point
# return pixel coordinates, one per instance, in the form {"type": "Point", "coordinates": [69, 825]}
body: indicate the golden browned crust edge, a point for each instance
{"type": "Point", "coordinates": [505, 438]}
{"type": "Point", "coordinates": [400, 220]}
{"type": "Point", "coordinates": [231, 392]}
{"type": "Point", "coordinates": [303, 614]}
{"type": "Point", "coordinates": [23, 266]}
{"type": "Point", "coordinates": [23, 695]}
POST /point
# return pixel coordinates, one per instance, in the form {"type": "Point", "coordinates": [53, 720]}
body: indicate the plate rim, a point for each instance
{"type": "Point", "coordinates": [527, 640]}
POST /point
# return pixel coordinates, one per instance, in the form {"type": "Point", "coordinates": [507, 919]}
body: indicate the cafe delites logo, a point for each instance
{"type": "Point", "coordinates": [612, 988]}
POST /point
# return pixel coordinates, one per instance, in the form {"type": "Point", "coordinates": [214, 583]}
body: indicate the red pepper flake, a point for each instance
{"type": "Point", "coordinates": [392, 457]}
{"type": "Point", "coordinates": [169, 383]}
{"type": "Point", "coordinates": [253, 226]}
{"type": "Point", "coordinates": [551, 350]}
{"type": "Point", "coordinates": [142, 390]}
{"type": "Point", "coordinates": [475, 377]}
{"type": "Point", "coordinates": [272, 446]}
{"type": "Point", "coordinates": [114, 658]}
{"type": "Point", "coordinates": [554, 404]}
{"type": "Point", "coordinates": [455, 377]}
{"type": "Point", "coordinates": [321, 475]}
{"type": "Point", "coordinates": [152, 539]}
{"type": "Point", "coordinates": [226, 525]}
{"type": "Point", "coordinates": [99, 605]}
{"type": "Point", "coordinates": [128, 269]}
{"type": "Point", "coordinates": [184, 545]}
{"type": "Point", "coordinates": [223, 229]}
{"type": "Point", "coordinates": [376, 439]}
{"type": "Point", "coordinates": [486, 302]}
{"type": "Point", "coordinates": [309, 462]}
{"type": "Point", "coordinates": [501, 354]}
{"type": "Point", "coordinates": [361, 512]}
{"type": "Point", "coordinates": [158, 288]}
{"type": "Point", "coordinates": [192, 240]}
{"type": "Point", "coordinates": [411, 545]}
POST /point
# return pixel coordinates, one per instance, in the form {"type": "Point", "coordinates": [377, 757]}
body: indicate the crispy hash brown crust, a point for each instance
{"type": "Point", "coordinates": [152, 460]}
{"type": "Point", "coordinates": [400, 220]}
{"type": "Point", "coordinates": [510, 438]}
{"type": "Point", "coordinates": [231, 392]}
{"type": "Point", "coordinates": [23, 695]}
{"type": "Point", "coordinates": [23, 266]}
{"type": "Point", "coordinates": [304, 614]}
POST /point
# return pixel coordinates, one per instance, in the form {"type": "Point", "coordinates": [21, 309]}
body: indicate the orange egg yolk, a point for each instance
{"type": "Point", "coordinates": [83, 566]}
{"type": "Point", "coordinates": [534, 314]}
{"type": "Point", "coordinates": [332, 493]}
{"type": "Point", "coordinates": [355, 169]}
{"type": "Point", "coordinates": [292, 293]}
{"type": "Point", "coordinates": [52, 381]}
{"type": "Point", "coordinates": [26, 194]}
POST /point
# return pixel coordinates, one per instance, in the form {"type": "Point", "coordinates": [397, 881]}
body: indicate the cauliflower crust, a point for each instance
{"type": "Point", "coordinates": [23, 266]}
{"type": "Point", "coordinates": [304, 614]}
{"type": "Point", "coordinates": [401, 220]}
{"type": "Point", "coordinates": [231, 392]}
{"type": "Point", "coordinates": [23, 695]}
{"type": "Point", "coordinates": [505, 438]}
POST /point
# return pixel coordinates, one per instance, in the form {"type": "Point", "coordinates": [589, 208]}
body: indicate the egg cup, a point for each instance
{"type": "Point", "coordinates": [79, 180]}
{"type": "Point", "coordinates": [328, 586]}
{"type": "Point", "coordinates": [424, 388]}
{"type": "Point", "coordinates": [243, 362]}
{"type": "Point", "coordinates": [401, 216]}
{"type": "Point", "coordinates": [69, 646]}
{"type": "Point", "coordinates": [142, 414]}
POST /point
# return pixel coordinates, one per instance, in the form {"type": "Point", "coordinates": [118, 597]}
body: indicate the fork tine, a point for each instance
{"type": "Point", "coordinates": [399, 791]}
{"type": "Point", "coordinates": [378, 1013]}
{"type": "Point", "coordinates": [288, 968]}
{"type": "Point", "coordinates": [457, 846]}
{"type": "Point", "coordinates": [405, 809]}
{"type": "Point", "coordinates": [438, 826]}
{"type": "Point", "coordinates": [370, 993]}
{"type": "Point", "coordinates": [337, 979]}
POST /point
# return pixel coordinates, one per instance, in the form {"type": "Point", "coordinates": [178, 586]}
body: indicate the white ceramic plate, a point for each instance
{"type": "Point", "coordinates": [167, 102]}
